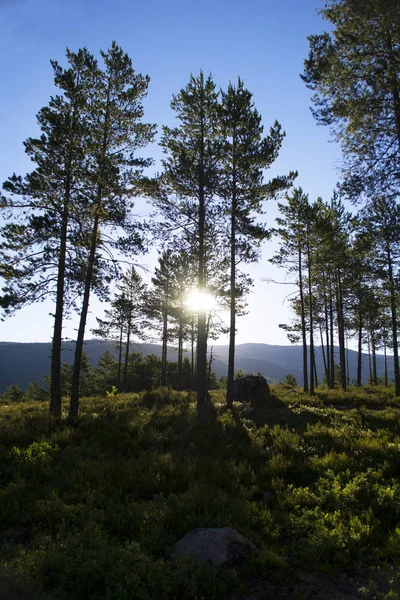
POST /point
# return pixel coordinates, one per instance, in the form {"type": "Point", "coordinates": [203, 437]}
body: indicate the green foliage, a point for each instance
{"type": "Point", "coordinates": [12, 394]}
{"type": "Point", "coordinates": [105, 497]}
{"type": "Point", "coordinates": [290, 379]}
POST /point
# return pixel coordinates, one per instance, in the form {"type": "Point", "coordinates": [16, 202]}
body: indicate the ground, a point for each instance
{"type": "Point", "coordinates": [91, 508]}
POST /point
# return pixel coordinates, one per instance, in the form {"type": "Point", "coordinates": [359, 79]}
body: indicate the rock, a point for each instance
{"type": "Point", "coordinates": [251, 387]}
{"type": "Point", "coordinates": [223, 546]}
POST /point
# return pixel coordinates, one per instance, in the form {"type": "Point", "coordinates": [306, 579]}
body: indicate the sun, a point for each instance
{"type": "Point", "coordinates": [199, 301]}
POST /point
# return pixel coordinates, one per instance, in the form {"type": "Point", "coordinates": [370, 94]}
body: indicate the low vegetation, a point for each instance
{"type": "Point", "coordinates": [90, 509]}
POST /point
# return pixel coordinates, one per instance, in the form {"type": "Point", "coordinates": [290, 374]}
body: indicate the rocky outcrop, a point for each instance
{"type": "Point", "coordinates": [251, 387]}
{"type": "Point", "coordinates": [217, 546]}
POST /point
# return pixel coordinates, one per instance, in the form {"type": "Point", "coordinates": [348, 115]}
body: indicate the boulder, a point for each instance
{"type": "Point", "coordinates": [217, 546]}
{"type": "Point", "coordinates": [251, 387]}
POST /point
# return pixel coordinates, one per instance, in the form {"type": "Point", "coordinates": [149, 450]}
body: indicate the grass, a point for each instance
{"type": "Point", "coordinates": [90, 510]}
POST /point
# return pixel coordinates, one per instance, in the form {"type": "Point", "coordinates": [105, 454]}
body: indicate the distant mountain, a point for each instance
{"type": "Point", "coordinates": [24, 363]}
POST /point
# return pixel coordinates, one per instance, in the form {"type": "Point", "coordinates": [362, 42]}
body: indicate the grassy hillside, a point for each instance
{"type": "Point", "coordinates": [90, 510]}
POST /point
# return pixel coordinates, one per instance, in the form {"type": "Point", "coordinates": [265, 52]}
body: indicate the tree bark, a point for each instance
{"type": "Point", "coordinates": [312, 356]}
{"type": "Point", "coordinates": [74, 404]}
{"type": "Point", "coordinates": [232, 328]}
{"type": "Point", "coordinates": [303, 321]}
{"type": "Point", "coordinates": [373, 350]}
{"type": "Point", "coordinates": [127, 348]}
{"type": "Point", "coordinates": [201, 322]}
{"type": "Point", "coordinates": [341, 335]}
{"type": "Point", "coordinates": [359, 356]}
{"type": "Point", "coordinates": [394, 319]}
{"type": "Point", "coordinates": [328, 361]}
{"type": "Point", "coordinates": [76, 373]}
{"type": "Point", "coordinates": [332, 353]}
{"type": "Point", "coordinates": [55, 383]}
{"type": "Point", "coordinates": [164, 351]}
{"type": "Point", "coordinates": [55, 371]}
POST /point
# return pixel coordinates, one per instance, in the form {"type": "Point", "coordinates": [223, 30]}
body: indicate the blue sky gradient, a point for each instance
{"type": "Point", "coordinates": [262, 41]}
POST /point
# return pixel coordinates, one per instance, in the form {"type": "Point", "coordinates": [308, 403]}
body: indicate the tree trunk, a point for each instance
{"type": "Point", "coordinates": [180, 355]}
{"type": "Point", "coordinates": [232, 329]}
{"type": "Point", "coordinates": [341, 334]}
{"type": "Point", "coordinates": [127, 348]}
{"type": "Point", "coordinates": [192, 353]}
{"type": "Point", "coordinates": [332, 352]}
{"type": "Point", "coordinates": [201, 322]}
{"type": "Point", "coordinates": [386, 366]}
{"type": "Point", "coordinates": [328, 361]}
{"type": "Point", "coordinates": [373, 350]}
{"type": "Point", "coordinates": [120, 357]}
{"type": "Point", "coordinates": [303, 321]}
{"type": "Point", "coordinates": [359, 356]}
{"type": "Point", "coordinates": [369, 360]}
{"type": "Point", "coordinates": [323, 353]}
{"type": "Point", "coordinates": [315, 371]}
{"type": "Point", "coordinates": [312, 356]}
{"type": "Point", "coordinates": [55, 382]}
{"type": "Point", "coordinates": [394, 320]}
{"type": "Point", "coordinates": [164, 351]}
{"type": "Point", "coordinates": [76, 373]}
{"type": "Point", "coordinates": [55, 372]}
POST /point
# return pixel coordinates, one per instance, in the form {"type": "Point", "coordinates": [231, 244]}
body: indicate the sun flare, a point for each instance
{"type": "Point", "coordinates": [198, 301]}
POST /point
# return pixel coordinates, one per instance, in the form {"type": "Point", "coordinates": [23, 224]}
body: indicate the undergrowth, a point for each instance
{"type": "Point", "coordinates": [91, 509]}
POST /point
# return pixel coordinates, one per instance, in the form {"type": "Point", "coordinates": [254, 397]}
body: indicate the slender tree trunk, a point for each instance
{"type": "Point", "coordinates": [359, 356]}
{"type": "Point", "coordinates": [55, 383]}
{"type": "Point", "coordinates": [120, 357]}
{"type": "Point", "coordinates": [209, 368]}
{"type": "Point", "coordinates": [373, 350]}
{"type": "Point", "coordinates": [55, 372]}
{"type": "Point", "coordinates": [315, 371]}
{"type": "Point", "coordinates": [76, 373]}
{"type": "Point", "coordinates": [328, 362]}
{"type": "Point", "coordinates": [332, 382]}
{"type": "Point", "coordinates": [164, 351]}
{"type": "Point", "coordinates": [323, 353]}
{"type": "Point", "coordinates": [341, 334]}
{"type": "Point", "coordinates": [127, 348]}
{"type": "Point", "coordinates": [312, 356]}
{"type": "Point", "coordinates": [386, 366]}
{"type": "Point", "coordinates": [232, 329]}
{"type": "Point", "coordinates": [180, 355]}
{"type": "Point", "coordinates": [369, 360]}
{"type": "Point", "coordinates": [303, 321]}
{"type": "Point", "coordinates": [394, 320]}
{"type": "Point", "coordinates": [201, 322]}
{"type": "Point", "coordinates": [192, 353]}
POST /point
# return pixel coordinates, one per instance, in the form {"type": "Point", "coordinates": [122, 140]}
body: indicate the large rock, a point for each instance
{"type": "Point", "coordinates": [225, 546]}
{"type": "Point", "coordinates": [251, 387]}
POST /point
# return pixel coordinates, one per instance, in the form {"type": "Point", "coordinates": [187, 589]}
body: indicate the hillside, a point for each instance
{"type": "Point", "coordinates": [24, 363]}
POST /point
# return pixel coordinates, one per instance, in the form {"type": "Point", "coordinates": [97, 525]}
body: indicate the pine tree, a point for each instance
{"type": "Point", "coordinates": [117, 133]}
{"type": "Point", "coordinates": [354, 71]}
{"type": "Point", "coordinates": [40, 248]}
{"type": "Point", "coordinates": [292, 255]}
{"type": "Point", "coordinates": [185, 192]}
{"type": "Point", "coordinates": [381, 225]}
{"type": "Point", "coordinates": [244, 153]}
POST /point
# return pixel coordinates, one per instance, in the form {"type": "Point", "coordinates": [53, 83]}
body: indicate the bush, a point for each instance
{"type": "Point", "coordinates": [290, 380]}
{"type": "Point", "coordinates": [12, 394]}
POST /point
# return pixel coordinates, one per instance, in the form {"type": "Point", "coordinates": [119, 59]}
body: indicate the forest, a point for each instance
{"type": "Point", "coordinates": [107, 468]}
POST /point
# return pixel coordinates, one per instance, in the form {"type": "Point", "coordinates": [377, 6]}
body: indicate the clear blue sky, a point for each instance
{"type": "Point", "coordinates": [262, 41]}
